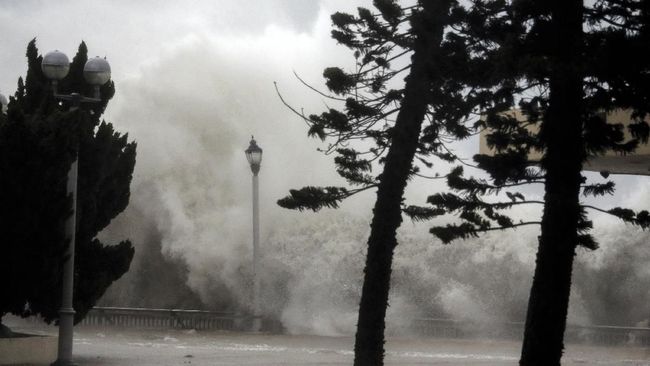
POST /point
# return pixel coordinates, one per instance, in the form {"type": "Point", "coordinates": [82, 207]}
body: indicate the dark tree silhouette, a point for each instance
{"type": "Point", "coordinates": [582, 61]}
{"type": "Point", "coordinates": [37, 140]}
{"type": "Point", "coordinates": [398, 127]}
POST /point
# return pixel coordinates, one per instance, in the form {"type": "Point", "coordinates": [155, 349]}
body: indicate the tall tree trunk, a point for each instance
{"type": "Point", "coordinates": [562, 133]}
{"type": "Point", "coordinates": [387, 215]}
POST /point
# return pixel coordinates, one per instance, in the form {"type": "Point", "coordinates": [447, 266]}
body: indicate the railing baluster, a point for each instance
{"type": "Point", "coordinates": [431, 327]}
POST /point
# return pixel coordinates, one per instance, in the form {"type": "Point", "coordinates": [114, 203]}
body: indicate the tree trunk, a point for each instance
{"type": "Point", "coordinates": [387, 214]}
{"type": "Point", "coordinates": [562, 133]}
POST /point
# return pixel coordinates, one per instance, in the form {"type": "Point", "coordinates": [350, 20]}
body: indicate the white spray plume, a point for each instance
{"type": "Point", "coordinates": [192, 113]}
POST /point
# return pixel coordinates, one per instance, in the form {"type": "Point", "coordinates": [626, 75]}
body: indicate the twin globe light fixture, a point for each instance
{"type": "Point", "coordinates": [56, 66]}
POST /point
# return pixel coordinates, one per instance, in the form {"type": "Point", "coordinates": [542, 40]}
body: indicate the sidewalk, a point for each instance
{"type": "Point", "coordinates": [122, 347]}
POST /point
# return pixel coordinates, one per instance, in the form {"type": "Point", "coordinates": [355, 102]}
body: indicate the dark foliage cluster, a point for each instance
{"type": "Point", "coordinates": [614, 78]}
{"type": "Point", "coordinates": [493, 65]}
{"type": "Point", "coordinates": [537, 79]}
{"type": "Point", "coordinates": [360, 130]}
{"type": "Point", "coordinates": [38, 137]}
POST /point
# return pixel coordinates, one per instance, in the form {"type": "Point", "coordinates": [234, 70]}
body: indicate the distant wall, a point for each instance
{"type": "Point", "coordinates": [637, 163]}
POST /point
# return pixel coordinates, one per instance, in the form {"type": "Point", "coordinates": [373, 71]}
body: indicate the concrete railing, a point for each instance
{"type": "Point", "coordinates": [608, 335]}
{"type": "Point", "coordinates": [427, 327]}
{"type": "Point", "coordinates": [595, 334]}
{"type": "Point", "coordinates": [162, 318]}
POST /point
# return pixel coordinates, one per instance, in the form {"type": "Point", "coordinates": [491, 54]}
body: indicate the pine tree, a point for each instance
{"type": "Point", "coordinates": [37, 141]}
{"type": "Point", "coordinates": [401, 129]}
{"type": "Point", "coordinates": [581, 60]}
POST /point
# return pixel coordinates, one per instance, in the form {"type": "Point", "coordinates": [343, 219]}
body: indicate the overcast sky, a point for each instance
{"type": "Point", "coordinates": [221, 57]}
{"type": "Point", "coordinates": [199, 75]}
{"type": "Point", "coordinates": [133, 33]}
{"type": "Point", "coordinates": [195, 79]}
{"type": "Point", "coordinates": [222, 54]}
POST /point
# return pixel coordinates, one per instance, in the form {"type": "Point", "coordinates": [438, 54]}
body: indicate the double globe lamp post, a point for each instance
{"type": "Point", "coordinates": [254, 157]}
{"type": "Point", "coordinates": [97, 72]}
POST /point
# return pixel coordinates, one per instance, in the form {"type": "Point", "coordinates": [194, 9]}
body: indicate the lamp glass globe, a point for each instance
{"type": "Point", "coordinates": [97, 71]}
{"type": "Point", "coordinates": [55, 65]}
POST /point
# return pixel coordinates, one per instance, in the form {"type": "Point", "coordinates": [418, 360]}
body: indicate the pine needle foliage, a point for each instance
{"type": "Point", "coordinates": [563, 67]}
{"type": "Point", "coordinates": [378, 127]}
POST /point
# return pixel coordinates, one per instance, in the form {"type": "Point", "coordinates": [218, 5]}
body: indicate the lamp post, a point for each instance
{"type": "Point", "coordinates": [97, 72]}
{"type": "Point", "coordinates": [254, 157]}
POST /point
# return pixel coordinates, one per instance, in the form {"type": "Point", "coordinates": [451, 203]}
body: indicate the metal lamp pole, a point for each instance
{"type": "Point", "coordinates": [97, 72]}
{"type": "Point", "coordinates": [254, 157]}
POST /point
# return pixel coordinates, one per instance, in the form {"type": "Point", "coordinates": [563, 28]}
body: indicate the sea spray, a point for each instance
{"type": "Point", "coordinates": [191, 197]}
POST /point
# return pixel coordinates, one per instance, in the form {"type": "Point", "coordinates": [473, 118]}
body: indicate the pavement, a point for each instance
{"type": "Point", "coordinates": [159, 347]}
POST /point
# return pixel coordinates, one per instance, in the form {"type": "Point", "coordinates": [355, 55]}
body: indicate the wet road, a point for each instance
{"type": "Point", "coordinates": [113, 347]}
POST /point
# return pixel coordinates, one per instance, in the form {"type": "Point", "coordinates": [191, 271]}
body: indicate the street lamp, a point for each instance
{"type": "Point", "coordinates": [254, 157]}
{"type": "Point", "coordinates": [97, 72]}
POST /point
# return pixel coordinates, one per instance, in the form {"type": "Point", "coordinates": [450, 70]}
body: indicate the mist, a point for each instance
{"type": "Point", "coordinates": [192, 88]}
{"type": "Point", "coordinates": [191, 200]}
